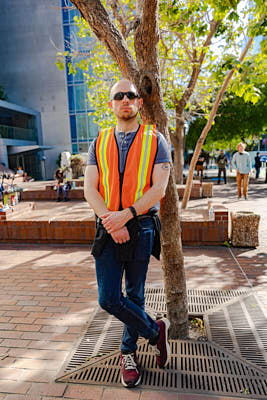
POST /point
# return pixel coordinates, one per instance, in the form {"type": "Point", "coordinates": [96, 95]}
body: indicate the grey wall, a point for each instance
{"type": "Point", "coordinates": [30, 35]}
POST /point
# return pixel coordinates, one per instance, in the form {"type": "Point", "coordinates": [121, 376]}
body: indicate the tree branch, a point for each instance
{"type": "Point", "coordinates": [121, 19]}
{"type": "Point", "coordinates": [107, 32]}
{"type": "Point", "coordinates": [208, 126]}
{"type": "Point", "coordinates": [197, 67]}
{"type": "Point", "coordinates": [186, 48]}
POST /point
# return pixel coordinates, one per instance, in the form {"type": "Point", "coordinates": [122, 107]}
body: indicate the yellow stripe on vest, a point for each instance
{"type": "Point", "coordinates": [105, 135]}
{"type": "Point", "coordinates": [144, 161]}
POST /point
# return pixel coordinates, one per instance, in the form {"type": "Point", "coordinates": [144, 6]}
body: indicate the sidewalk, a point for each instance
{"type": "Point", "coordinates": [48, 293]}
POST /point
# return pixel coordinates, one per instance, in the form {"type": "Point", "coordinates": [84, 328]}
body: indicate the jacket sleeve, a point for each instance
{"type": "Point", "coordinates": [249, 163]}
{"type": "Point", "coordinates": [234, 162]}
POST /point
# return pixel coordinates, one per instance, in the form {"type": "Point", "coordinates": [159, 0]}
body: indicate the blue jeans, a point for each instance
{"type": "Point", "coordinates": [60, 189]}
{"type": "Point", "coordinates": [130, 308]}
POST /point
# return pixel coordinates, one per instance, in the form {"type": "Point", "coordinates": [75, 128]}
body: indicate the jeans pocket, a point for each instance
{"type": "Point", "coordinates": [145, 244]}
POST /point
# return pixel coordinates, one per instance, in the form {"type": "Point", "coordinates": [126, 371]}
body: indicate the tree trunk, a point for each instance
{"type": "Point", "coordinates": [173, 263]}
{"type": "Point", "coordinates": [144, 72]}
{"type": "Point", "coordinates": [171, 245]}
{"type": "Point", "coordinates": [154, 112]}
{"type": "Point", "coordinates": [178, 147]}
{"type": "Point", "coordinates": [207, 127]}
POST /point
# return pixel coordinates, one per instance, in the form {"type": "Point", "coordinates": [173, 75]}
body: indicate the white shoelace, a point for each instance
{"type": "Point", "coordinates": [154, 350]}
{"type": "Point", "coordinates": [128, 361]}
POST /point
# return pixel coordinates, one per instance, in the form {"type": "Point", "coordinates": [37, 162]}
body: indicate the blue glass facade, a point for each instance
{"type": "Point", "coordinates": [83, 129]}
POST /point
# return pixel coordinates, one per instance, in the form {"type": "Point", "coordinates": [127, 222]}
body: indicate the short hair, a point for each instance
{"type": "Point", "coordinates": [241, 144]}
{"type": "Point", "coordinates": [122, 80]}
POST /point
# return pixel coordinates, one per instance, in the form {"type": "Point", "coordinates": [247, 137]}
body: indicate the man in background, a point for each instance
{"type": "Point", "coordinates": [257, 165]}
{"type": "Point", "coordinates": [242, 163]}
{"type": "Point", "coordinates": [222, 162]}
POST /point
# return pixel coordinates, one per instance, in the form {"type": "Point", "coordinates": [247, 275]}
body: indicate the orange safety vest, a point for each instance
{"type": "Point", "coordinates": [137, 176]}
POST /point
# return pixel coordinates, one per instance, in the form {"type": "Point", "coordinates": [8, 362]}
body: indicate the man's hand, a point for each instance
{"type": "Point", "coordinates": [114, 220]}
{"type": "Point", "coordinates": [121, 235]}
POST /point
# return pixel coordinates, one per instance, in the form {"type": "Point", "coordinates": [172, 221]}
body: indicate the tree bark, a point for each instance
{"type": "Point", "coordinates": [207, 127]}
{"type": "Point", "coordinates": [178, 146]}
{"type": "Point", "coordinates": [145, 74]}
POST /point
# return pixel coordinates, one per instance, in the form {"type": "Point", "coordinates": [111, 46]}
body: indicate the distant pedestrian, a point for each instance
{"type": "Point", "coordinates": [242, 164]}
{"type": "Point", "coordinates": [61, 186]}
{"type": "Point", "coordinates": [20, 171]}
{"type": "Point", "coordinates": [222, 162]}
{"type": "Point", "coordinates": [200, 166]}
{"type": "Point", "coordinates": [257, 165]}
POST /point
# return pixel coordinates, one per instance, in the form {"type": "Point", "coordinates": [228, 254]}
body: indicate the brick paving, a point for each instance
{"type": "Point", "coordinates": [48, 292]}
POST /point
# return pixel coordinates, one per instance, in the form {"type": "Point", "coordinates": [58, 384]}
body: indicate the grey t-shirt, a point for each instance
{"type": "Point", "coordinates": [124, 141]}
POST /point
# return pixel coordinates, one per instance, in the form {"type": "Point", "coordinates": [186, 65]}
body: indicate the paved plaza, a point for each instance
{"type": "Point", "coordinates": [48, 293]}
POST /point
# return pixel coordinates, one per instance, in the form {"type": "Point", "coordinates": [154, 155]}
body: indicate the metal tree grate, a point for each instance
{"type": "Point", "coordinates": [103, 335]}
{"type": "Point", "coordinates": [241, 327]}
{"type": "Point", "coordinates": [195, 367]}
{"type": "Point", "coordinates": [199, 301]}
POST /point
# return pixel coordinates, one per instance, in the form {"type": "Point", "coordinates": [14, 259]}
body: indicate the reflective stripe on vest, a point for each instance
{"type": "Point", "coordinates": [138, 170]}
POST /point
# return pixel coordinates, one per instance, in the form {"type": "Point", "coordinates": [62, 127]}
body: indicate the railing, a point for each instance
{"type": "Point", "coordinates": [11, 132]}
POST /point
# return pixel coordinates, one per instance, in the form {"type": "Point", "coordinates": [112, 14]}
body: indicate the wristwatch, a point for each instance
{"type": "Point", "coordinates": [133, 211]}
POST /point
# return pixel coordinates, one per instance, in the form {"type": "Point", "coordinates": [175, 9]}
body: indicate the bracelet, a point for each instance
{"type": "Point", "coordinates": [133, 211]}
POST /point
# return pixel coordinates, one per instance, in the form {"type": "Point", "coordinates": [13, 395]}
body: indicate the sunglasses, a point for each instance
{"type": "Point", "coordinates": [120, 95]}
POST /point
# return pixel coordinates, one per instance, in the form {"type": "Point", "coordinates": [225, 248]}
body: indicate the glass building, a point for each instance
{"type": "Point", "coordinates": [83, 129]}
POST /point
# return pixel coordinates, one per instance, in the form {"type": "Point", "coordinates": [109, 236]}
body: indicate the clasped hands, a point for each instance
{"type": "Point", "coordinates": [114, 222]}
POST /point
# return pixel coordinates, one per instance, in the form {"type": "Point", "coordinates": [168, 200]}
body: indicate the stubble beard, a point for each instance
{"type": "Point", "coordinates": [127, 116]}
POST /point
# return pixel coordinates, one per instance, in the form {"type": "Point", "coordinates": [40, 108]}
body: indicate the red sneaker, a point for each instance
{"type": "Point", "coordinates": [130, 370]}
{"type": "Point", "coordinates": [163, 350]}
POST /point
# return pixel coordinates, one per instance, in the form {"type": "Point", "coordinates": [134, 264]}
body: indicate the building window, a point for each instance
{"type": "Point", "coordinates": [74, 148]}
{"type": "Point", "coordinates": [83, 129]}
{"type": "Point", "coordinates": [82, 123]}
{"type": "Point", "coordinates": [83, 147]}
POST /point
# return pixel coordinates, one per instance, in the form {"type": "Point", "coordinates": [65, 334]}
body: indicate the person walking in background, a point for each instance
{"type": "Point", "coordinates": [127, 175]}
{"type": "Point", "coordinates": [200, 166]}
{"type": "Point", "coordinates": [222, 162]}
{"type": "Point", "coordinates": [242, 163]}
{"type": "Point", "coordinates": [257, 165]}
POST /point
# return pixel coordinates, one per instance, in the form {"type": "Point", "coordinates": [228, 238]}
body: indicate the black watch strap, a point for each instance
{"type": "Point", "coordinates": [133, 211]}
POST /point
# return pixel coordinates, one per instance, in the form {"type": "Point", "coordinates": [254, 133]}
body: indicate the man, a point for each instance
{"type": "Point", "coordinates": [127, 175]}
{"type": "Point", "coordinates": [242, 164]}
{"type": "Point", "coordinates": [257, 165]}
{"type": "Point", "coordinates": [222, 162]}
{"type": "Point", "coordinates": [200, 166]}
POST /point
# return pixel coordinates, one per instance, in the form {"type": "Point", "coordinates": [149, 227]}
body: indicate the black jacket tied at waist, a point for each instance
{"type": "Point", "coordinates": [126, 251]}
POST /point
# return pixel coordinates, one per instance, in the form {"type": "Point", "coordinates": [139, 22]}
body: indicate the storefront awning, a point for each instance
{"type": "Point", "coordinates": [23, 149]}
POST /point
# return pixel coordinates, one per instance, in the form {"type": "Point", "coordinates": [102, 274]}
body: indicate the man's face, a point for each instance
{"type": "Point", "coordinates": [240, 148]}
{"type": "Point", "coordinates": [125, 109]}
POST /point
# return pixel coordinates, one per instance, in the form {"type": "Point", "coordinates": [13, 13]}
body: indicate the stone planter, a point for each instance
{"type": "Point", "coordinates": [207, 189]}
{"type": "Point", "coordinates": [244, 229]}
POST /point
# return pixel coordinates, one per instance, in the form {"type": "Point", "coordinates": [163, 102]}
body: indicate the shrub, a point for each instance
{"type": "Point", "coordinates": [77, 165]}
